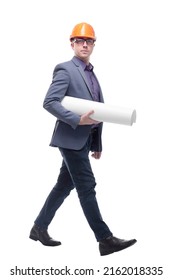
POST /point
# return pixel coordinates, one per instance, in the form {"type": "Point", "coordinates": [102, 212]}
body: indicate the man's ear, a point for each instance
{"type": "Point", "coordinates": [72, 45]}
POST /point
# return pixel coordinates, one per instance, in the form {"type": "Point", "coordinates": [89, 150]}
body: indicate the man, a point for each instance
{"type": "Point", "coordinates": [76, 136]}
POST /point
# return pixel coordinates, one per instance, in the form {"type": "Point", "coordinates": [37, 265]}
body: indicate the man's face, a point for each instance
{"type": "Point", "coordinates": [83, 48]}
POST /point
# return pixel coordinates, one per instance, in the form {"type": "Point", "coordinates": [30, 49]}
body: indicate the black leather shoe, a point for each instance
{"type": "Point", "coordinates": [113, 244]}
{"type": "Point", "coordinates": [43, 236]}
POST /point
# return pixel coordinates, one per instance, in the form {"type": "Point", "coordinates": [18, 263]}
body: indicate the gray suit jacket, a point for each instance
{"type": "Point", "coordinates": [69, 79]}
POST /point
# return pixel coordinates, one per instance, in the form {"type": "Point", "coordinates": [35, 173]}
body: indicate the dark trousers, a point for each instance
{"type": "Point", "coordinates": [75, 172]}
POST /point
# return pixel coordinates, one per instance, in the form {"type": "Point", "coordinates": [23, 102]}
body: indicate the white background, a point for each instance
{"type": "Point", "coordinates": [133, 60]}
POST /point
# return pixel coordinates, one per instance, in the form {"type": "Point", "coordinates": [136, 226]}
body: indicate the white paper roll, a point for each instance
{"type": "Point", "coordinates": [102, 111]}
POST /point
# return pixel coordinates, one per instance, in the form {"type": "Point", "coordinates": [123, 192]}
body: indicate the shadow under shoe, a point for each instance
{"type": "Point", "coordinates": [113, 244]}
{"type": "Point", "coordinates": [42, 235]}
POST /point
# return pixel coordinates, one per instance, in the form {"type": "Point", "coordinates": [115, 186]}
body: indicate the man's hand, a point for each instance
{"type": "Point", "coordinates": [96, 155]}
{"type": "Point", "coordinates": [86, 120]}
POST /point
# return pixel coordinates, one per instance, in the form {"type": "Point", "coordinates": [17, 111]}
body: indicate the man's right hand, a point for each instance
{"type": "Point", "coordinates": [86, 120]}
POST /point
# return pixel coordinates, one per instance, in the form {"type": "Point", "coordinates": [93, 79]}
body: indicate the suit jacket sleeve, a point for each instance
{"type": "Point", "coordinates": [54, 96]}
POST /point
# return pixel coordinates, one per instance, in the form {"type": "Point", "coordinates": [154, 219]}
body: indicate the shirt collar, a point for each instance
{"type": "Point", "coordinates": [85, 67]}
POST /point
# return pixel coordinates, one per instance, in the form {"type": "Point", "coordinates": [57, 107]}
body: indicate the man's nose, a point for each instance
{"type": "Point", "coordinates": [85, 44]}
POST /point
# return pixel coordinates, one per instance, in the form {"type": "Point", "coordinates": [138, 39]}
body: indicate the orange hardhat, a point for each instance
{"type": "Point", "coordinates": [83, 29]}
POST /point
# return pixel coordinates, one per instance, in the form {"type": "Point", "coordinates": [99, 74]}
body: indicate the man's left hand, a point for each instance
{"type": "Point", "coordinates": [96, 155]}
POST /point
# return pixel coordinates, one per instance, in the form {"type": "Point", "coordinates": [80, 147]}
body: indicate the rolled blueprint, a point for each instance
{"type": "Point", "coordinates": [102, 112]}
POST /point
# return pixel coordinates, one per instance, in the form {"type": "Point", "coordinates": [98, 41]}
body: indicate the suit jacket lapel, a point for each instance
{"type": "Point", "coordinates": [85, 79]}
